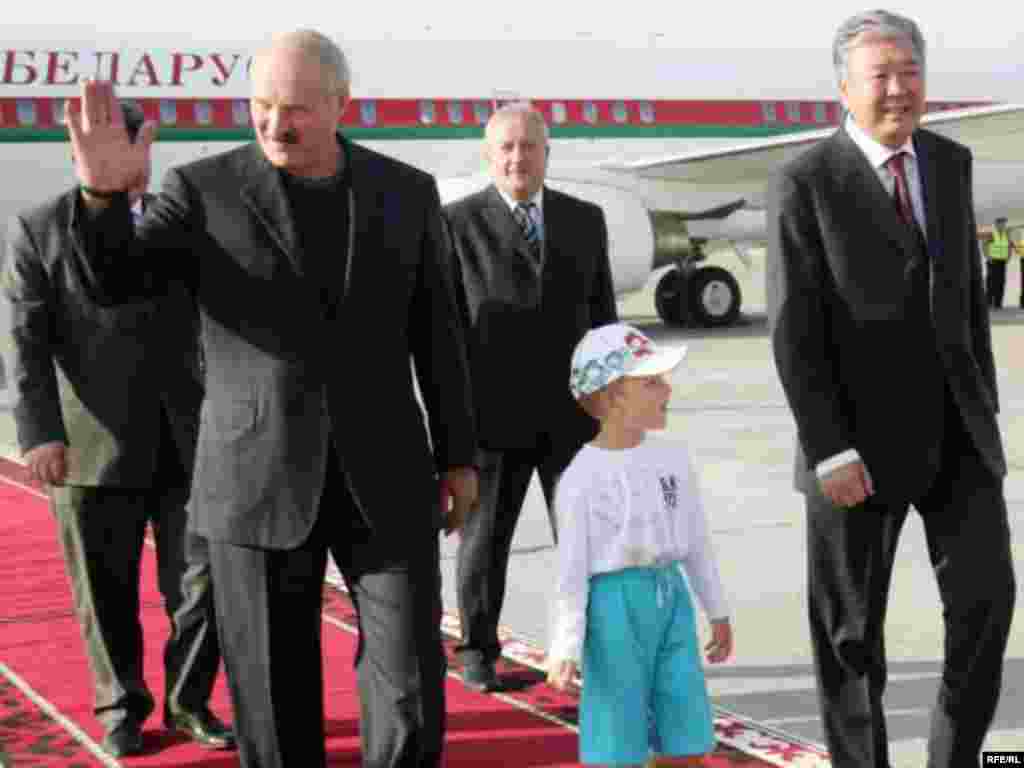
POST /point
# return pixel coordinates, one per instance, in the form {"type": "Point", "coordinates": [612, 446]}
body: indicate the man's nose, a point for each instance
{"type": "Point", "coordinates": [276, 122]}
{"type": "Point", "coordinates": [896, 85]}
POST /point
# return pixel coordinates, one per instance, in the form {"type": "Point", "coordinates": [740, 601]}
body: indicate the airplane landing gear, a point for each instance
{"type": "Point", "coordinates": [670, 298]}
{"type": "Point", "coordinates": [706, 296]}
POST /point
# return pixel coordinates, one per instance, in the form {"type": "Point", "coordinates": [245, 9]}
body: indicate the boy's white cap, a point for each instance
{"type": "Point", "coordinates": [612, 351]}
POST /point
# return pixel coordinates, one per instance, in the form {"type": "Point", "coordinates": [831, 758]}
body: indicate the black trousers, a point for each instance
{"type": "Point", "coordinates": [486, 541]}
{"type": "Point", "coordinates": [995, 283]}
{"type": "Point", "coordinates": [269, 616]}
{"type": "Point", "coordinates": [102, 531]}
{"type": "Point", "coordinates": [850, 561]}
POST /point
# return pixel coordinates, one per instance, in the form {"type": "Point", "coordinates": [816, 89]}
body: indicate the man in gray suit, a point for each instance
{"type": "Point", "coordinates": [107, 408]}
{"type": "Point", "coordinates": [880, 331]}
{"type": "Point", "coordinates": [318, 268]}
{"type": "Point", "coordinates": [534, 276]}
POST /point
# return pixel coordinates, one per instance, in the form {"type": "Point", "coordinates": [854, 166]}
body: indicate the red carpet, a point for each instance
{"type": "Point", "coordinates": [41, 645]}
{"type": "Point", "coordinates": [40, 648]}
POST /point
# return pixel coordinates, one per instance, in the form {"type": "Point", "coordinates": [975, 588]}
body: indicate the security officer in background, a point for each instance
{"type": "Point", "coordinates": [1000, 247]}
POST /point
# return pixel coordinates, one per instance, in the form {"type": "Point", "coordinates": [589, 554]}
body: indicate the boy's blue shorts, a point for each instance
{"type": "Point", "coordinates": [643, 683]}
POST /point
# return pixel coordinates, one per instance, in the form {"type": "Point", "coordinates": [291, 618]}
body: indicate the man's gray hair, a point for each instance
{"type": "Point", "coordinates": [882, 23]}
{"type": "Point", "coordinates": [337, 75]}
{"type": "Point", "coordinates": [520, 109]}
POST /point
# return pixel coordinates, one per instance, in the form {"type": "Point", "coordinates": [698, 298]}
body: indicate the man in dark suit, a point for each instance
{"type": "Point", "coordinates": [107, 409]}
{"type": "Point", "coordinates": [534, 276]}
{"type": "Point", "coordinates": [311, 437]}
{"type": "Point", "coordinates": [881, 339]}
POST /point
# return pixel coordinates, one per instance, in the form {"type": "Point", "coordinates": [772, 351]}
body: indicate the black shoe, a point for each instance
{"type": "Point", "coordinates": [125, 738]}
{"type": "Point", "coordinates": [202, 726]}
{"type": "Point", "coordinates": [480, 676]}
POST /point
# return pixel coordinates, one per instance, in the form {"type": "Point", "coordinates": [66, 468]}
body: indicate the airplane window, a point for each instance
{"type": "Point", "coordinates": [168, 112]}
{"type": "Point", "coordinates": [368, 112]}
{"type": "Point", "coordinates": [559, 113]}
{"type": "Point", "coordinates": [203, 112]}
{"type": "Point", "coordinates": [820, 113]}
{"type": "Point", "coordinates": [482, 111]}
{"type": "Point", "coordinates": [455, 112]}
{"type": "Point", "coordinates": [427, 115]}
{"type": "Point", "coordinates": [590, 111]}
{"type": "Point", "coordinates": [619, 113]}
{"type": "Point", "coordinates": [769, 112]}
{"type": "Point", "coordinates": [240, 112]}
{"type": "Point", "coordinates": [26, 112]}
{"type": "Point", "coordinates": [793, 111]}
{"type": "Point", "coordinates": [58, 111]}
{"type": "Point", "coordinates": [646, 112]}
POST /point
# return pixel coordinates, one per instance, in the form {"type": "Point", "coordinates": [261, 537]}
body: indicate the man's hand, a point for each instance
{"type": "Point", "coordinates": [462, 487]}
{"type": "Point", "coordinates": [48, 463]}
{"type": "Point", "coordinates": [719, 648]}
{"type": "Point", "coordinates": [848, 485]}
{"type": "Point", "coordinates": [561, 673]}
{"type": "Point", "coordinates": [105, 158]}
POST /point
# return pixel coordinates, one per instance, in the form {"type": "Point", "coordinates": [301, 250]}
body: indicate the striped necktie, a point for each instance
{"type": "Point", "coordinates": [902, 192]}
{"type": "Point", "coordinates": [524, 217]}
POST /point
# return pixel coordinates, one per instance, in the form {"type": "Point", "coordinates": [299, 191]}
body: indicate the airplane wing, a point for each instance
{"type": "Point", "coordinates": [993, 133]}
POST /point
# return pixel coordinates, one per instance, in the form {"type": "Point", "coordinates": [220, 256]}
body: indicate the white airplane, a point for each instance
{"type": "Point", "coordinates": [673, 175]}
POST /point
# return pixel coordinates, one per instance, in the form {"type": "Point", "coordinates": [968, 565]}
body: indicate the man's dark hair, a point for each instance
{"type": "Point", "coordinates": [133, 118]}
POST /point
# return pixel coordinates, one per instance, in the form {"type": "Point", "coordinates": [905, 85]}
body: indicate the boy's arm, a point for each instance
{"type": "Point", "coordinates": [572, 576]}
{"type": "Point", "coordinates": [700, 564]}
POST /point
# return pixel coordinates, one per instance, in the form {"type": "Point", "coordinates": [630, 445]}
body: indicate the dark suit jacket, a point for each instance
{"type": "Point", "coordinates": [95, 377]}
{"type": "Point", "coordinates": [849, 357]}
{"type": "Point", "coordinates": [281, 374]}
{"type": "Point", "coordinates": [521, 330]}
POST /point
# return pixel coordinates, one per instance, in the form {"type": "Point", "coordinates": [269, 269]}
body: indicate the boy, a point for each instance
{"type": "Point", "coordinates": [630, 514]}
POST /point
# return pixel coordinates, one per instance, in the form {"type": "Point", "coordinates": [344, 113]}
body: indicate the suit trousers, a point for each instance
{"type": "Point", "coordinates": [995, 283]}
{"type": "Point", "coordinates": [850, 561]}
{"type": "Point", "coordinates": [269, 616]}
{"type": "Point", "coordinates": [486, 541]}
{"type": "Point", "coordinates": [102, 532]}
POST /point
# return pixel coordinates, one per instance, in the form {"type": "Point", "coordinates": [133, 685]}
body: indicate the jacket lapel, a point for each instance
{"type": "Point", "coordinates": [928, 170]}
{"type": "Point", "coordinates": [500, 217]}
{"type": "Point", "coordinates": [266, 197]}
{"type": "Point", "coordinates": [930, 190]}
{"type": "Point", "coordinates": [861, 181]}
{"type": "Point", "coordinates": [364, 200]}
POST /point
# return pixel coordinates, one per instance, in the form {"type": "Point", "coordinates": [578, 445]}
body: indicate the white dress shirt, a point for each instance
{"type": "Point", "coordinates": [628, 508]}
{"type": "Point", "coordinates": [878, 155]}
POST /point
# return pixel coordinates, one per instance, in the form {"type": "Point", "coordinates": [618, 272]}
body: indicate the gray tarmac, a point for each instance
{"type": "Point", "coordinates": [728, 405]}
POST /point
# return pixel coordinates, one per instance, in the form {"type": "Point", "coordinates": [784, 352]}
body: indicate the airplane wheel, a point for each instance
{"type": "Point", "coordinates": [670, 297]}
{"type": "Point", "coordinates": [714, 297]}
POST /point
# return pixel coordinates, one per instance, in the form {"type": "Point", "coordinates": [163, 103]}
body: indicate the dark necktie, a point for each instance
{"type": "Point", "coordinates": [524, 217]}
{"type": "Point", "coordinates": [902, 194]}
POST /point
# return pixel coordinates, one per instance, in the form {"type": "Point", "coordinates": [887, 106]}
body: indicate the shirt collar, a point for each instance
{"type": "Point", "coordinates": [537, 200]}
{"type": "Point", "coordinates": [877, 154]}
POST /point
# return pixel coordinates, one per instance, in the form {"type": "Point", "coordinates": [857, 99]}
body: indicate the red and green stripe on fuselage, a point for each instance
{"type": "Point", "coordinates": [39, 118]}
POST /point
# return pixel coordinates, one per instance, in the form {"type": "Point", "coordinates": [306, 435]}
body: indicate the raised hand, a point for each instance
{"type": "Point", "coordinates": [106, 160]}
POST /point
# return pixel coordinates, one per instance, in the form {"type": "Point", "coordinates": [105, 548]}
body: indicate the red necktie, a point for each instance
{"type": "Point", "coordinates": [895, 165]}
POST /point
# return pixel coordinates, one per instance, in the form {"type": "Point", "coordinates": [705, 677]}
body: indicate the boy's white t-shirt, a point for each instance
{"type": "Point", "coordinates": [628, 508]}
